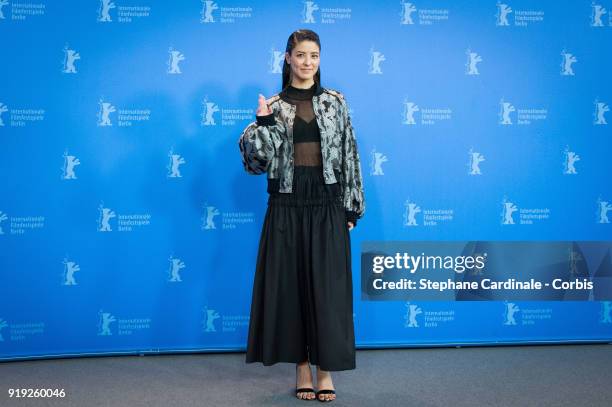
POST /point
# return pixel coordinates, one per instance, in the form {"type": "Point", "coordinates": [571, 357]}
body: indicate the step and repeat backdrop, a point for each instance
{"type": "Point", "coordinates": [128, 224]}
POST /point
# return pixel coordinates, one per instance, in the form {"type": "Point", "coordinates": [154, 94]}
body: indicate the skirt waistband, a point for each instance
{"type": "Point", "coordinates": [309, 189]}
{"type": "Point", "coordinates": [307, 180]}
{"type": "Point", "coordinates": [290, 200]}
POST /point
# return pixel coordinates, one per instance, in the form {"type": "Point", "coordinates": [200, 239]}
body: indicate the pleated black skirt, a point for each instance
{"type": "Point", "coordinates": [302, 305]}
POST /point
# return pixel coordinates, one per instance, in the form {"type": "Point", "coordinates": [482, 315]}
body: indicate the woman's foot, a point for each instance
{"type": "Point", "coordinates": [304, 381]}
{"type": "Point", "coordinates": [324, 382]}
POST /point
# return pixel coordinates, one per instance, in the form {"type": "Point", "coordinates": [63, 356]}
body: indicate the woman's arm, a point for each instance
{"type": "Point", "coordinates": [258, 143]}
{"type": "Point", "coordinates": [353, 196]}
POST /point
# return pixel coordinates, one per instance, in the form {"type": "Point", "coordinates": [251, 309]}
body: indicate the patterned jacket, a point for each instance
{"type": "Point", "coordinates": [266, 145]}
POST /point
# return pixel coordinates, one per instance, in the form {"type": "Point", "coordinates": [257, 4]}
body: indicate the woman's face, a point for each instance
{"type": "Point", "coordinates": [304, 60]}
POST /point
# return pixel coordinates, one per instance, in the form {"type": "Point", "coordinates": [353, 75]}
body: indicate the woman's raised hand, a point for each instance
{"type": "Point", "coordinates": [263, 109]}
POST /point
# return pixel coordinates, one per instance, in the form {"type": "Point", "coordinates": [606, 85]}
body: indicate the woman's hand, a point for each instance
{"type": "Point", "coordinates": [263, 109]}
{"type": "Point", "coordinates": [350, 225]}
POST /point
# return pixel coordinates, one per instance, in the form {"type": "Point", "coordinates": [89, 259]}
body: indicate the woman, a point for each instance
{"type": "Point", "coordinates": [302, 306]}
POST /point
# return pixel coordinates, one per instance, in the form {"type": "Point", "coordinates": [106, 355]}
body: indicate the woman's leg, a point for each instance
{"type": "Point", "coordinates": [304, 379]}
{"type": "Point", "coordinates": [324, 381]}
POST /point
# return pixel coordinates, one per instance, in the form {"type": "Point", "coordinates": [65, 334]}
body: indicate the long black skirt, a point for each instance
{"type": "Point", "coordinates": [302, 305]}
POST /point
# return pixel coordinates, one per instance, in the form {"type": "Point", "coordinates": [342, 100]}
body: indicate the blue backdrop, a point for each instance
{"type": "Point", "coordinates": [129, 225]}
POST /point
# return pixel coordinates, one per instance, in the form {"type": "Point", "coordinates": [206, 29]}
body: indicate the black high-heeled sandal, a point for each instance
{"type": "Point", "coordinates": [325, 391]}
{"type": "Point", "coordinates": [303, 390]}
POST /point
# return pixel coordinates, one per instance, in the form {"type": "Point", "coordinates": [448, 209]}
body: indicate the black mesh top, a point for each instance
{"type": "Point", "coordinates": [306, 135]}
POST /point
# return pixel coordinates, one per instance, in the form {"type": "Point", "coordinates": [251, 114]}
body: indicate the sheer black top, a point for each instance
{"type": "Point", "coordinates": [306, 135]}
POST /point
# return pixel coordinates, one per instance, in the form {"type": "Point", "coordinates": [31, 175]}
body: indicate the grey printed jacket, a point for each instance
{"type": "Point", "coordinates": [266, 145]}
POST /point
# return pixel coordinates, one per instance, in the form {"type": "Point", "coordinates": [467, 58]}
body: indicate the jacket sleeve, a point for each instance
{"type": "Point", "coordinates": [259, 142]}
{"type": "Point", "coordinates": [353, 196]}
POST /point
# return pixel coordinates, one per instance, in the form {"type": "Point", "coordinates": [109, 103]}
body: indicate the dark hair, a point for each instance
{"type": "Point", "coordinates": [295, 38]}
